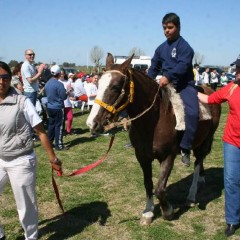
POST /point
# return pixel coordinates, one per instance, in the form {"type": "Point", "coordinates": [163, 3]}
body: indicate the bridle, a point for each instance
{"type": "Point", "coordinates": [112, 108]}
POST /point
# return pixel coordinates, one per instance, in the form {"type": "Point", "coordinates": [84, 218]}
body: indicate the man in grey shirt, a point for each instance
{"type": "Point", "coordinates": [30, 76]}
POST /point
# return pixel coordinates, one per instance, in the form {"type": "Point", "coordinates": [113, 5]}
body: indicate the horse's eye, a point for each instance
{"type": "Point", "coordinates": [116, 88]}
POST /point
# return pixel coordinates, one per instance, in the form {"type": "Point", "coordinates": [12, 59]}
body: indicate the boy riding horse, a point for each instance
{"type": "Point", "coordinates": [174, 58]}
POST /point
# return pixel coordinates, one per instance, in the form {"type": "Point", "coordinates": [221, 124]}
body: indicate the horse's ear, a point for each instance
{"type": "Point", "coordinates": [109, 61]}
{"type": "Point", "coordinates": [124, 66]}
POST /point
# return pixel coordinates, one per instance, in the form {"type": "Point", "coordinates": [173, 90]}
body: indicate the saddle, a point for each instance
{"type": "Point", "coordinates": [178, 108]}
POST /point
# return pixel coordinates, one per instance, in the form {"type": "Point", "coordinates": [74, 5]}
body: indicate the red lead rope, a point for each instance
{"type": "Point", "coordinates": [55, 187]}
{"type": "Point", "coordinates": [79, 171]}
{"type": "Point", "coordinates": [93, 165]}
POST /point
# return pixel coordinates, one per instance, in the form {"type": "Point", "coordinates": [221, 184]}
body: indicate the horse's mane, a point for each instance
{"type": "Point", "coordinates": [164, 93]}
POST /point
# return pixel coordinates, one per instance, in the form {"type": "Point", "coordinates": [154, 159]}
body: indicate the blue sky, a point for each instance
{"type": "Point", "coordinates": [67, 30]}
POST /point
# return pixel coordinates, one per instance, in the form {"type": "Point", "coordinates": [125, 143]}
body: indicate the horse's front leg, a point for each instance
{"type": "Point", "coordinates": [160, 191]}
{"type": "Point", "coordinates": [147, 215]}
{"type": "Point", "coordinates": [198, 180]}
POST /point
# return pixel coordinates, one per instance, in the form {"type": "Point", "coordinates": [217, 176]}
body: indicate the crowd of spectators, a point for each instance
{"type": "Point", "coordinates": [30, 80]}
{"type": "Point", "coordinates": [212, 77]}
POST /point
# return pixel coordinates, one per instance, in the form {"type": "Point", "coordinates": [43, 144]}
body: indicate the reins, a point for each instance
{"type": "Point", "coordinates": [78, 172]}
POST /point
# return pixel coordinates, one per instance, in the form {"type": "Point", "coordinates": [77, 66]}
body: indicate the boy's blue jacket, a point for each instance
{"type": "Point", "coordinates": [174, 60]}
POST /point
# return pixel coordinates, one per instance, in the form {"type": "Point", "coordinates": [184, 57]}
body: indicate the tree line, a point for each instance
{"type": "Point", "coordinates": [97, 54]}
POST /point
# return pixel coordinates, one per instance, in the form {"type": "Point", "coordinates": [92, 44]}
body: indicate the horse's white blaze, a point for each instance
{"type": "Point", "coordinates": [102, 86]}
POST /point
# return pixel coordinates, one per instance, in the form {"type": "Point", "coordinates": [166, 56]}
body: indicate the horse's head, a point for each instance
{"type": "Point", "coordinates": [113, 94]}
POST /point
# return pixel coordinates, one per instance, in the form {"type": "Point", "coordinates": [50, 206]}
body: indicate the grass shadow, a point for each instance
{"type": "Point", "coordinates": [74, 221]}
{"type": "Point", "coordinates": [79, 113]}
{"type": "Point", "coordinates": [177, 192]}
{"type": "Point", "coordinates": [80, 130]}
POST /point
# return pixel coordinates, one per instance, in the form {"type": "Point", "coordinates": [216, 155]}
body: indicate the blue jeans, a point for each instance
{"type": "Point", "coordinates": [55, 126]}
{"type": "Point", "coordinates": [191, 107]}
{"type": "Point", "coordinates": [32, 96]}
{"type": "Point", "coordinates": [232, 183]}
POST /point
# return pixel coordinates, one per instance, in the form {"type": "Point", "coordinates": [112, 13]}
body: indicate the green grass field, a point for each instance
{"type": "Point", "coordinates": [107, 202]}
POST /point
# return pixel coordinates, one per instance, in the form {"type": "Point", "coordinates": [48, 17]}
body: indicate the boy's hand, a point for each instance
{"type": "Point", "coordinates": [163, 81]}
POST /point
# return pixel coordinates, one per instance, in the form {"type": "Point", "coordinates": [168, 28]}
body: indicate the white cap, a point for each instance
{"type": "Point", "coordinates": [70, 74]}
{"type": "Point", "coordinates": [55, 69]}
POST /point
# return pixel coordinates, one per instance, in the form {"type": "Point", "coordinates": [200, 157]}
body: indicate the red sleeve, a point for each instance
{"type": "Point", "coordinates": [220, 95]}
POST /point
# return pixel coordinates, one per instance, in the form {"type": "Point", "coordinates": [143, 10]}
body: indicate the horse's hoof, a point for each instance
{"type": "Point", "coordinates": [190, 204]}
{"type": "Point", "coordinates": [169, 214]}
{"type": "Point", "coordinates": [168, 217]}
{"type": "Point", "coordinates": [145, 221]}
{"type": "Point", "coordinates": [146, 218]}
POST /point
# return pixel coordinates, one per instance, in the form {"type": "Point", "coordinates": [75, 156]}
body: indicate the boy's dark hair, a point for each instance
{"type": "Point", "coordinates": [172, 17]}
{"type": "Point", "coordinates": [196, 65]}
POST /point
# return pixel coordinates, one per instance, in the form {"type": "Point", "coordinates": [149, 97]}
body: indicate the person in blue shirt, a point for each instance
{"type": "Point", "coordinates": [174, 59]}
{"type": "Point", "coordinates": [56, 94]}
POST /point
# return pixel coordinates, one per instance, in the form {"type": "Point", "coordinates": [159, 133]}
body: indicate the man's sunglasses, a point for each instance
{"type": "Point", "coordinates": [30, 54]}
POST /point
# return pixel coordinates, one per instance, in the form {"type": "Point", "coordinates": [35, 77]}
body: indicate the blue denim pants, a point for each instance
{"type": "Point", "coordinates": [190, 102]}
{"type": "Point", "coordinates": [232, 183]}
{"type": "Point", "coordinates": [55, 126]}
{"type": "Point", "coordinates": [32, 96]}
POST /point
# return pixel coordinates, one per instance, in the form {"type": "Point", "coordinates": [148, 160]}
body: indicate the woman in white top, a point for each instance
{"type": "Point", "coordinates": [17, 157]}
{"type": "Point", "coordinates": [205, 77]}
{"type": "Point", "coordinates": [91, 89]}
{"type": "Point", "coordinates": [223, 79]}
{"type": "Point", "coordinates": [214, 79]}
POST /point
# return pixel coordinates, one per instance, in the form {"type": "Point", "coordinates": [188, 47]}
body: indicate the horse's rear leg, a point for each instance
{"type": "Point", "coordinates": [160, 191]}
{"type": "Point", "coordinates": [147, 215]}
{"type": "Point", "coordinates": [199, 176]}
{"type": "Point", "coordinates": [198, 179]}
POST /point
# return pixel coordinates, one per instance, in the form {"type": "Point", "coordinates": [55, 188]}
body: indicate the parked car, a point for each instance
{"type": "Point", "coordinates": [231, 77]}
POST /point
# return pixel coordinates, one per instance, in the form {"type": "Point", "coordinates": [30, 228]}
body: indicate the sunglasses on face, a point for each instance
{"type": "Point", "coordinates": [30, 54]}
{"type": "Point", "coordinates": [5, 77]}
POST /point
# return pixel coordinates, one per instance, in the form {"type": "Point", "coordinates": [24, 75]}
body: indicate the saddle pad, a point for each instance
{"type": "Point", "coordinates": [178, 108]}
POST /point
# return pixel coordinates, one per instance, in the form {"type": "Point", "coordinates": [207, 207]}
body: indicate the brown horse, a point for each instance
{"type": "Point", "coordinates": [153, 133]}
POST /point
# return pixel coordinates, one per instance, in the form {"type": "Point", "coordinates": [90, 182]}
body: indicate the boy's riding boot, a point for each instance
{"type": "Point", "coordinates": [185, 153]}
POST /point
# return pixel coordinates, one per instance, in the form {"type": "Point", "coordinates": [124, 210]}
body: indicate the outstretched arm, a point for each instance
{"type": "Point", "coordinates": [203, 98]}
{"type": "Point", "coordinates": [55, 162]}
